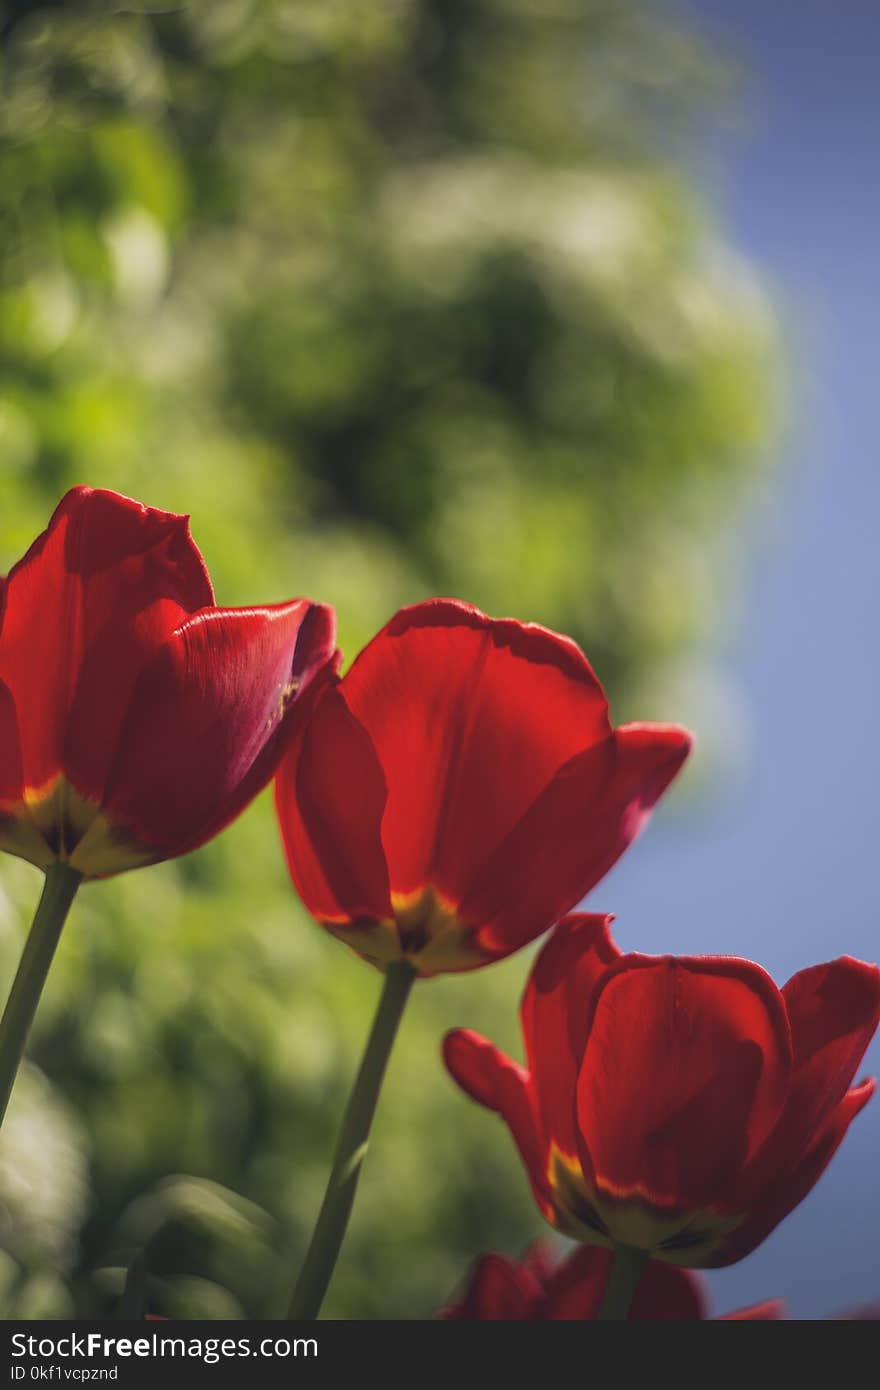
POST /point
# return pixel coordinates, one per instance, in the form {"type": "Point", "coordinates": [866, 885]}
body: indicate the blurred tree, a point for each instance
{"type": "Point", "coordinates": [396, 297]}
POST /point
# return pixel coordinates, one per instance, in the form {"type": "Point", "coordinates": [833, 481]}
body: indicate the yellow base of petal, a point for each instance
{"type": "Point", "coordinates": [425, 930]}
{"type": "Point", "coordinates": [589, 1213]}
{"type": "Point", "coordinates": [56, 824]}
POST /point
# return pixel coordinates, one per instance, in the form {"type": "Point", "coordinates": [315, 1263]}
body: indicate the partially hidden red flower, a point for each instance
{"type": "Point", "coordinates": [461, 788]}
{"type": "Point", "coordinates": [136, 718]}
{"type": "Point", "coordinates": [540, 1289]}
{"type": "Point", "coordinates": [681, 1105]}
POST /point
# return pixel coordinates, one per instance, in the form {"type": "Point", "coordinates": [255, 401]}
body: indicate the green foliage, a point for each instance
{"type": "Point", "coordinates": [396, 297]}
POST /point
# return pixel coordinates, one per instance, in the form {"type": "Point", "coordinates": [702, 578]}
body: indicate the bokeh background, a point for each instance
{"type": "Point", "coordinates": [561, 309]}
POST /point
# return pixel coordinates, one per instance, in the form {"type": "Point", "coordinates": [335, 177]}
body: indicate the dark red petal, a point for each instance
{"type": "Point", "coordinates": [685, 1073]}
{"type": "Point", "coordinates": [316, 657]}
{"type": "Point", "coordinates": [790, 1185]}
{"type": "Point", "coordinates": [664, 1293]}
{"type": "Point", "coordinates": [833, 1012]}
{"type": "Point", "coordinates": [649, 756]}
{"type": "Point", "coordinates": [11, 772]}
{"type": "Point", "coordinates": [540, 1259]}
{"type": "Point", "coordinates": [470, 718]}
{"type": "Point", "coordinates": [330, 797]}
{"type": "Point", "coordinates": [574, 1291]}
{"type": "Point", "coordinates": [105, 583]}
{"type": "Point", "coordinates": [572, 834]}
{"type": "Point", "coordinates": [103, 529]}
{"type": "Point", "coordinates": [669, 1294]}
{"type": "Point", "coordinates": [493, 1080]}
{"type": "Point", "coordinates": [204, 725]}
{"type": "Point", "coordinates": [555, 1013]}
{"type": "Point", "coordinates": [773, 1310]}
{"type": "Point", "coordinates": [497, 1290]}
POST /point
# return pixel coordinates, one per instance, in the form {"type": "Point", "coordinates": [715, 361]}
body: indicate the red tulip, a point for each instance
{"type": "Point", "coordinates": [680, 1105]}
{"type": "Point", "coordinates": [461, 788]}
{"type": "Point", "coordinates": [136, 718]}
{"type": "Point", "coordinates": [539, 1289]}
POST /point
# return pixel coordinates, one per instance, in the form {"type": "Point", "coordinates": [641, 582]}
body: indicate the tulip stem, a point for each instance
{"type": "Point", "coordinates": [58, 893]}
{"type": "Point", "coordinates": [623, 1280]}
{"type": "Point", "coordinates": [351, 1147]}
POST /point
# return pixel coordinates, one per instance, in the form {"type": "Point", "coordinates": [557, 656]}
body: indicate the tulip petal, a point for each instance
{"type": "Point", "coordinates": [663, 1294]}
{"type": "Point", "coordinates": [470, 719]}
{"type": "Point", "coordinates": [497, 1290]}
{"type": "Point", "coordinates": [330, 794]}
{"type": "Point", "coordinates": [574, 1290]}
{"type": "Point", "coordinates": [833, 1011]}
{"type": "Point", "coordinates": [790, 1185]}
{"type": "Point", "coordinates": [11, 771]}
{"type": "Point", "coordinates": [540, 1259]}
{"type": "Point", "coordinates": [649, 756]}
{"type": "Point", "coordinates": [555, 1013]}
{"type": "Point", "coordinates": [500, 1084]}
{"type": "Point", "coordinates": [668, 1294]}
{"type": "Point", "coordinates": [704, 1050]}
{"type": "Point", "coordinates": [84, 610]}
{"type": "Point", "coordinates": [204, 725]}
{"type": "Point", "coordinates": [572, 834]}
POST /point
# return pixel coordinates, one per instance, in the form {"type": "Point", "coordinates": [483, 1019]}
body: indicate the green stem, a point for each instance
{"type": "Point", "coordinates": [626, 1271]}
{"type": "Point", "coordinates": [351, 1147]}
{"type": "Point", "coordinates": [58, 893]}
{"type": "Point", "coordinates": [133, 1303]}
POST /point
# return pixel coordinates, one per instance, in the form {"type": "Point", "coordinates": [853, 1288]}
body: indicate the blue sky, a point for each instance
{"type": "Point", "coordinates": [783, 865]}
